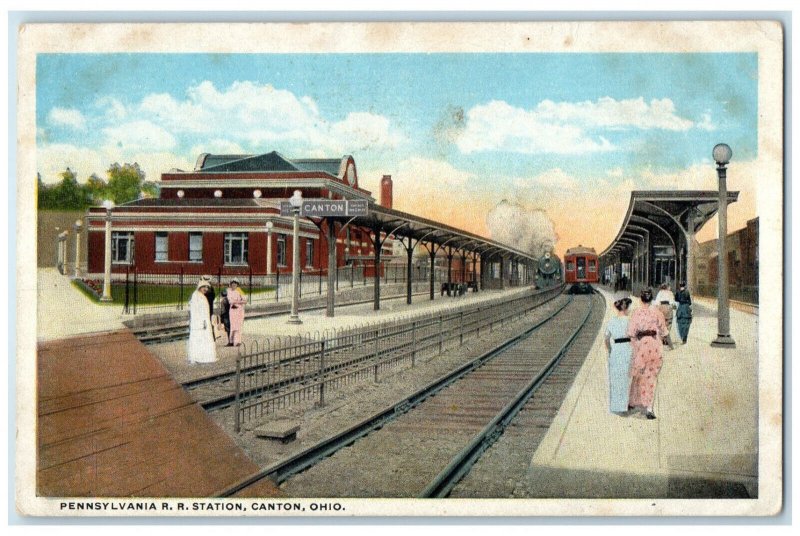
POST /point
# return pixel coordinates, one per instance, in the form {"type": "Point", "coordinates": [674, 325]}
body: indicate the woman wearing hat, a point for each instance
{"type": "Point", "coordinates": [620, 352]}
{"type": "Point", "coordinates": [646, 328]}
{"type": "Point", "coordinates": [236, 300]}
{"type": "Point", "coordinates": [684, 314]}
{"type": "Point", "coordinates": [201, 347]}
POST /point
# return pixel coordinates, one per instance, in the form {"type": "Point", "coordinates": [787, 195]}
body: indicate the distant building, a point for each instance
{"type": "Point", "coordinates": [742, 257]}
{"type": "Point", "coordinates": [212, 219]}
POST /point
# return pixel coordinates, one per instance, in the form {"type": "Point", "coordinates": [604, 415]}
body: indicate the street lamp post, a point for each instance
{"type": "Point", "coordinates": [296, 201]}
{"type": "Point", "coordinates": [268, 225]}
{"type": "Point", "coordinates": [106, 297]}
{"type": "Point", "coordinates": [722, 155]}
{"type": "Point", "coordinates": [78, 225]}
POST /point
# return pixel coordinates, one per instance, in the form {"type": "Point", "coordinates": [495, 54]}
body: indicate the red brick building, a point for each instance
{"type": "Point", "coordinates": [213, 219]}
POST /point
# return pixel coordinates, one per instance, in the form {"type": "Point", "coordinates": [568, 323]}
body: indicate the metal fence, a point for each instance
{"type": "Point", "coordinates": [171, 291]}
{"type": "Point", "coordinates": [746, 294]}
{"type": "Point", "coordinates": [277, 372]}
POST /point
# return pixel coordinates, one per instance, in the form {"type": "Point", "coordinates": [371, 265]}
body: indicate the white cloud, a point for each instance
{"type": "Point", "coordinates": [139, 136]}
{"type": "Point", "coordinates": [498, 126]}
{"type": "Point", "coordinates": [217, 146]}
{"type": "Point", "coordinates": [362, 130]}
{"type": "Point", "coordinates": [430, 173]}
{"type": "Point", "coordinates": [563, 127]}
{"type": "Point", "coordinates": [608, 112]}
{"type": "Point", "coordinates": [706, 123]}
{"type": "Point", "coordinates": [616, 172]}
{"type": "Point", "coordinates": [52, 159]}
{"type": "Point", "coordinates": [69, 117]}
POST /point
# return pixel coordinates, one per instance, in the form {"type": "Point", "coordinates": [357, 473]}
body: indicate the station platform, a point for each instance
{"type": "Point", "coordinates": [64, 311]}
{"type": "Point", "coordinates": [703, 443]}
{"type": "Point", "coordinates": [111, 422]}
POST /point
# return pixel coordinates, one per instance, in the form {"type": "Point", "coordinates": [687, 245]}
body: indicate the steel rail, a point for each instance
{"type": "Point", "coordinates": [283, 470]}
{"type": "Point", "coordinates": [368, 339]}
{"type": "Point", "coordinates": [461, 464]}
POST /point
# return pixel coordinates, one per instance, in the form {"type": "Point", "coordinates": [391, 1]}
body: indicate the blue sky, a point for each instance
{"type": "Point", "coordinates": [488, 125]}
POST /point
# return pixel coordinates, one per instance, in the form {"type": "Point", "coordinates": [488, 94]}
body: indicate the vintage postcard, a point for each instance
{"type": "Point", "coordinates": [400, 269]}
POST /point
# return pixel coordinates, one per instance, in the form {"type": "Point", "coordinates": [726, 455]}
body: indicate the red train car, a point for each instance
{"type": "Point", "coordinates": [581, 266]}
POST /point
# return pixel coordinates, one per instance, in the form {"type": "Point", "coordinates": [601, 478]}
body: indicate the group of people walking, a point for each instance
{"type": "Point", "coordinates": [204, 330]}
{"type": "Point", "coordinates": [635, 341]}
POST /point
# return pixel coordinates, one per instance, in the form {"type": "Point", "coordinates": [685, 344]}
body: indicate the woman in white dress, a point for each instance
{"type": "Point", "coordinates": [620, 352]}
{"type": "Point", "coordinates": [201, 347]}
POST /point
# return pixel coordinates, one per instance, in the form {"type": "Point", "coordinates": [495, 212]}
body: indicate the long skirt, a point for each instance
{"type": "Point", "coordinates": [644, 372]}
{"type": "Point", "coordinates": [201, 347]}
{"type": "Point", "coordinates": [619, 379]}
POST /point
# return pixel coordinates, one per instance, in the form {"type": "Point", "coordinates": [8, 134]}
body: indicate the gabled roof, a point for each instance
{"type": "Point", "coordinates": [268, 162]}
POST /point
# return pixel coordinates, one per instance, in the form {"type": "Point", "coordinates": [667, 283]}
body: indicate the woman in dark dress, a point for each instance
{"type": "Point", "coordinates": [683, 316]}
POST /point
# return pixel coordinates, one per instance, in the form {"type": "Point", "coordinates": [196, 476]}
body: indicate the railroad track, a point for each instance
{"type": "Point", "coordinates": [218, 391]}
{"type": "Point", "coordinates": [425, 443]}
{"type": "Point", "coordinates": [179, 331]}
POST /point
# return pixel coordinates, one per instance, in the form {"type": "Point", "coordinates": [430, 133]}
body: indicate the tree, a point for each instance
{"type": "Point", "coordinates": [96, 187]}
{"type": "Point", "coordinates": [66, 195]}
{"type": "Point", "coordinates": [150, 189]}
{"type": "Point", "coordinates": [124, 182]}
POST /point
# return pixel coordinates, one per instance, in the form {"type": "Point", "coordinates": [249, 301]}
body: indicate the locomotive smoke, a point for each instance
{"type": "Point", "coordinates": [528, 230]}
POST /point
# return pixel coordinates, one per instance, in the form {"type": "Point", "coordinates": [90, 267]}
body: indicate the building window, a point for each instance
{"type": "Point", "coordinates": [309, 253]}
{"type": "Point", "coordinates": [195, 247]}
{"type": "Point", "coordinates": [235, 248]}
{"type": "Point", "coordinates": [281, 250]}
{"type": "Point", "coordinates": [162, 246]}
{"type": "Point", "coordinates": [122, 247]}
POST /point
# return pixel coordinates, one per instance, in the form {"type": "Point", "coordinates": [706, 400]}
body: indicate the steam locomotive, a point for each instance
{"type": "Point", "coordinates": [581, 269]}
{"type": "Point", "coordinates": [548, 271]}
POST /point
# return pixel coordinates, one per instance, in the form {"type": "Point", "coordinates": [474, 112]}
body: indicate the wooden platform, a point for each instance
{"type": "Point", "coordinates": [113, 423]}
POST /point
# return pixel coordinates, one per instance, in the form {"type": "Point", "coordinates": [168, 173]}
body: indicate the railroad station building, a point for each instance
{"type": "Point", "coordinates": [213, 219]}
{"type": "Point", "coordinates": [223, 218]}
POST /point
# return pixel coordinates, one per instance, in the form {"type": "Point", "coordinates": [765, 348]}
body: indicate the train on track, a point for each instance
{"type": "Point", "coordinates": [581, 269]}
{"type": "Point", "coordinates": [549, 272]}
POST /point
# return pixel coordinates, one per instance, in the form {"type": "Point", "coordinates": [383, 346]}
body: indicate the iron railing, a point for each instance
{"type": "Point", "coordinates": [280, 371]}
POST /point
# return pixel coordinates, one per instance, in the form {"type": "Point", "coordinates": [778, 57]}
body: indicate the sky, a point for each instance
{"type": "Point", "coordinates": [567, 134]}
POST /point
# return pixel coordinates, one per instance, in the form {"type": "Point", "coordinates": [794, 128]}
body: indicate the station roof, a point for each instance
{"type": "Point", "coordinates": [664, 215]}
{"type": "Point", "coordinates": [267, 162]}
{"type": "Point", "coordinates": [409, 226]}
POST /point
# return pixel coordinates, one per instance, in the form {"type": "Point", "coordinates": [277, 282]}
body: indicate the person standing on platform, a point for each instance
{"type": "Point", "coordinates": [236, 314]}
{"type": "Point", "coordinates": [224, 312]}
{"type": "Point", "coordinates": [201, 347]}
{"type": "Point", "coordinates": [665, 301]}
{"type": "Point", "coordinates": [684, 314]}
{"type": "Point", "coordinates": [646, 329]}
{"type": "Point", "coordinates": [210, 295]}
{"type": "Point", "coordinates": [618, 344]}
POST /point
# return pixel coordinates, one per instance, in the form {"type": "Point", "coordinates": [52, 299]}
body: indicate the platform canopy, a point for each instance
{"type": "Point", "coordinates": [656, 241]}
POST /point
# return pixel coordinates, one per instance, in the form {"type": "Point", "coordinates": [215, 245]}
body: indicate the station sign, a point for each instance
{"type": "Point", "coordinates": [321, 208]}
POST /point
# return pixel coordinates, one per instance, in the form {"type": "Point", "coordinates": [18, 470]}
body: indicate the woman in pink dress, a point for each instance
{"type": "Point", "coordinates": [646, 328]}
{"type": "Point", "coordinates": [236, 313]}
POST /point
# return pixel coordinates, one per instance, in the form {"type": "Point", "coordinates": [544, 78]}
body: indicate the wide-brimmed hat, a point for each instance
{"type": "Point", "coordinates": [205, 277]}
{"type": "Point", "coordinates": [203, 283]}
{"type": "Point", "coordinates": [234, 280]}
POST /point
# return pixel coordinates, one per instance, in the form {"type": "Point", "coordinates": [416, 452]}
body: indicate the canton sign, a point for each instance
{"type": "Point", "coordinates": [321, 208]}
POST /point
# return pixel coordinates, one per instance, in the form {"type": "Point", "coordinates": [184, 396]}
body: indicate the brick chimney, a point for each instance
{"type": "Point", "coordinates": [386, 191]}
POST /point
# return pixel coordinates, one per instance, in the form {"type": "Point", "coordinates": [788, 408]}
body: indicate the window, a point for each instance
{"type": "Point", "coordinates": [195, 247]}
{"type": "Point", "coordinates": [122, 247]}
{"type": "Point", "coordinates": [570, 266]}
{"type": "Point", "coordinates": [592, 266]}
{"type": "Point", "coordinates": [309, 253]}
{"type": "Point", "coordinates": [281, 250]}
{"type": "Point", "coordinates": [235, 248]}
{"type": "Point", "coordinates": [162, 246]}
